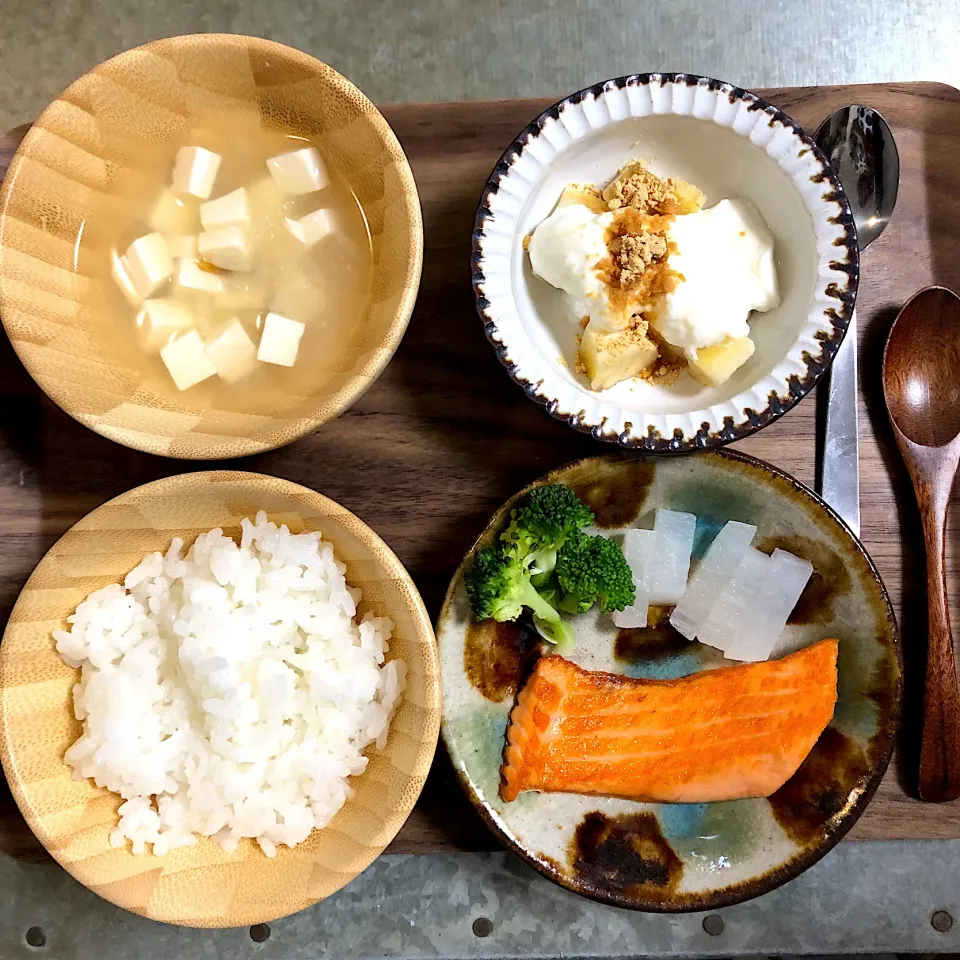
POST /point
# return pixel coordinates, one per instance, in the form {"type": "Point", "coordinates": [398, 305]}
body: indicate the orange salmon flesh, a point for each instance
{"type": "Point", "coordinates": [721, 734]}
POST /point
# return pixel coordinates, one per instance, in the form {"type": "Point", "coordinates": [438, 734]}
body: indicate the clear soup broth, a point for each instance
{"type": "Point", "coordinates": [325, 285]}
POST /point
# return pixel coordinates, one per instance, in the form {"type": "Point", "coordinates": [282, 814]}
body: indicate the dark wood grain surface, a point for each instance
{"type": "Point", "coordinates": [444, 437]}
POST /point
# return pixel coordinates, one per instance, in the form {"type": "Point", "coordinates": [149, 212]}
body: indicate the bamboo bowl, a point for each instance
{"type": "Point", "coordinates": [64, 177]}
{"type": "Point", "coordinates": [202, 886]}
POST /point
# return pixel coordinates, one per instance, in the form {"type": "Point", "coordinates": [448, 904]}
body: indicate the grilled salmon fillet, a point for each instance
{"type": "Point", "coordinates": [721, 734]}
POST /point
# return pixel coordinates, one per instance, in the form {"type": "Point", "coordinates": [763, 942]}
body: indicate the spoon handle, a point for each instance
{"type": "Point", "coordinates": [940, 749]}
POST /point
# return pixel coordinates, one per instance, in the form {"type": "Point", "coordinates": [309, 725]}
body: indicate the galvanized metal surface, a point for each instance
{"type": "Point", "coordinates": [398, 50]}
{"type": "Point", "coordinates": [862, 898]}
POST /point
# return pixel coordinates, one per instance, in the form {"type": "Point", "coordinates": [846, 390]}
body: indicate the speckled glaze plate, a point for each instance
{"type": "Point", "coordinates": [676, 857]}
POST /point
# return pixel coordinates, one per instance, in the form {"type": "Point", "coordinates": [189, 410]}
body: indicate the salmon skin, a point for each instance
{"type": "Point", "coordinates": [721, 734]}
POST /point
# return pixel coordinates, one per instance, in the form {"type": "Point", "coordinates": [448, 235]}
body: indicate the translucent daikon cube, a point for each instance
{"type": "Point", "coordinates": [173, 215]}
{"type": "Point", "coordinates": [712, 574]}
{"type": "Point", "coordinates": [120, 271]}
{"type": "Point", "coordinates": [182, 246]}
{"type": "Point", "coordinates": [298, 298]}
{"type": "Point", "coordinates": [242, 292]}
{"type": "Point", "coordinates": [736, 603]}
{"type": "Point", "coordinates": [787, 576]}
{"type": "Point", "coordinates": [161, 319]}
{"type": "Point", "coordinates": [639, 552]}
{"type": "Point", "coordinates": [673, 546]}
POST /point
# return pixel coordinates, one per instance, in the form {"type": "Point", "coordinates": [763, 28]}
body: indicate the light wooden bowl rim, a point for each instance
{"type": "Point", "coordinates": [425, 639]}
{"type": "Point", "coordinates": [348, 394]}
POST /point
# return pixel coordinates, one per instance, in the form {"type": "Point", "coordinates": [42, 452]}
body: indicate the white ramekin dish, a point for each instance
{"type": "Point", "coordinates": [728, 142]}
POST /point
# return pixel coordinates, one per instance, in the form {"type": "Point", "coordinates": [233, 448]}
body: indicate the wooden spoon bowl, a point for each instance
{"type": "Point", "coordinates": [921, 384]}
{"type": "Point", "coordinates": [202, 886]}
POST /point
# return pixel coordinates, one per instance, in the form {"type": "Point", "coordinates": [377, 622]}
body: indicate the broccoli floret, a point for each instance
{"type": "Point", "coordinates": [554, 513]}
{"type": "Point", "coordinates": [550, 516]}
{"type": "Point", "coordinates": [499, 587]}
{"type": "Point", "coordinates": [591, 569]}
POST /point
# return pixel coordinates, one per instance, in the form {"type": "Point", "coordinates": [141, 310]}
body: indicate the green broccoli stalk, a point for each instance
{"type": "Point", "coordinates": [499, 588]}
{"type": "Point", "coordinates": [592, 569]}
{"type": "Point", "coordinates": [550, 516]}
{"type": "Point", "coordinates": [558, 632]}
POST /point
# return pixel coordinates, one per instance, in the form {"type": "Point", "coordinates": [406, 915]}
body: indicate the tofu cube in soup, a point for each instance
{"type": "Point", "coordinates": [194, 172]}
{"type": "Point", "coordinates": [229, 209]}
{"type": "Point", "coordinates": [227, 247]}
{"type": "Point", "coordinates": [280, 340]}
{"type": "Point", "coordinates": [192, 277]}
{"type": "Point", "coordinates": [186, 360]}
{"type": "Point", "coordinates": [232, 352]}
{"type": "Point", "coordinates": [148, 264]}
{"type": "Point", "coordinates": [301, 171]}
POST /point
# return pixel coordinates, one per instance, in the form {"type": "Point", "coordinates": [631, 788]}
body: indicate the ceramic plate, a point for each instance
{"type": "Point", "coordinates": [672, 857]}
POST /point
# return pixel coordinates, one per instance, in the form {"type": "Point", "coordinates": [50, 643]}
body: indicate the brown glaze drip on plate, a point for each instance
{"type": "Point", "coordinates": [496, 657]}
{"type": "Point", "coordinates": [611, 855]}
{"type": "Point", "coordinates": [634, 644]}
{"type": "Point", "coordinates": [821, 788]}
{"type": "Point", "coordinates": [615, 491]}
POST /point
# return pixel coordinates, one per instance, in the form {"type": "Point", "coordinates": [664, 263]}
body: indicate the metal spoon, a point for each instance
{"type": "Point", "coordinates": [922, 392]}
{"type": "Point", "coordinates": [860, 147]}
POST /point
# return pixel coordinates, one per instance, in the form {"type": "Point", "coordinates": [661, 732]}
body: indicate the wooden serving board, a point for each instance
{"type": "Point", "coordinates": [444, 437]}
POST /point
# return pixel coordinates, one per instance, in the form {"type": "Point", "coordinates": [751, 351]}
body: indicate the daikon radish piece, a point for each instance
{"type": "Point", "coordinates": [242, 292]}
{"type": "Point", "coordinates": [639, 552]}
{"type": "Point", "coordinates": [298, 298]}
{"type": "Point", "coordinates": [301, 171]}
{"type": "Point", "coordinates": [710, 577]}
{"type": "Point", "coordinates": [161, 319]}
{"type": "Point", "coordinates": [230, 208]}
{"type": "Point", "coordinates": [182, 246]}
{"type": "Point", "coordinates": [232, 352]}
{"type": "Point", "coordinates": [120, 271]}
{"type": "Point", "coordinates": [194, 172]}
{"type": "Point", "coordinates": [787, 576]}
{"type": "Point", "coordinates": [187, 361]}
{"type": "Point", "coordinates": [736, 602]}
{"type": "Point", "coordinates": [673, 545]}
{"type": "Point", "coordinates": [172, 215]}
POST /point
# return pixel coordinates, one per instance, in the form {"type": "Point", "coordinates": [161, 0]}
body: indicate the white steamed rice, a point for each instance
{"type": "Point", "coordinates": [229, 693]}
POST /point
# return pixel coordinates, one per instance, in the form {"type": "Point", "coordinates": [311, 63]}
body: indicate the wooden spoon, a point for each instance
{"type": "Point", "coordinates": [921, 385]}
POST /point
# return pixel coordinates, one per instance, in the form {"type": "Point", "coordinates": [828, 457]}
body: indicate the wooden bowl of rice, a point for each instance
{"type": "Point", "coordinates": [203, 885]}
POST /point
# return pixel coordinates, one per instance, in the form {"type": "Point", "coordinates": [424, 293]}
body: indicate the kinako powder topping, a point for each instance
{"type": "Point", "coordinates": [637, 268]}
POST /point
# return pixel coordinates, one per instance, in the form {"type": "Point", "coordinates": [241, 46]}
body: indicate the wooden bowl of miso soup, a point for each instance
{"type": "Point", "coordinates": [209, 246]}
